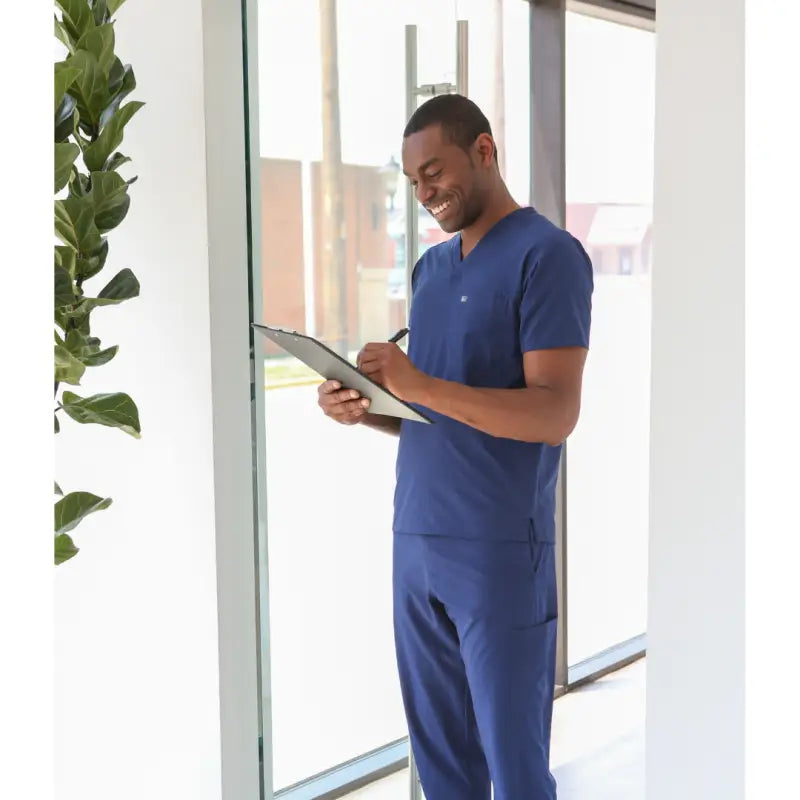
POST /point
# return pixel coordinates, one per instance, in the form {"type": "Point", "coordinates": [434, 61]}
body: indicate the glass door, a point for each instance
{"type": "Point", "coordinates": [332, 256]}
{"type": "Point", "coordinates": [332, 263]}
{"type": "Point", "coordinates": [610, 97]}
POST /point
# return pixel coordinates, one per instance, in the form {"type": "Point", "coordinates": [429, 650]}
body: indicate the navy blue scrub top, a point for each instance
{"type": "Point", "coordinates": [527, 285]}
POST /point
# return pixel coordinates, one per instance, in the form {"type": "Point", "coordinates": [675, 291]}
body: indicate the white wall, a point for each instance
{"type": "Point", "coordinates": [695, 704]}
{"type": "Point", "coordinates": [773, 398]}
{"type": "Point", "coordinates": [139, 687]}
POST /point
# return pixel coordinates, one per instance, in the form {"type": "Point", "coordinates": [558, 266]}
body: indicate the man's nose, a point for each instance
{"type": "Point", "coordinates": [425, 193]}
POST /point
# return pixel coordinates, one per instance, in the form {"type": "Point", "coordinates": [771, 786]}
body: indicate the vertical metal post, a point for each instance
{"type": "Point", "coordinates": [547, 45]}
{"type": "Point", "coordinates": [414, 788]}
{"type": "Point", "coordinates": [411, 201]}
{"type": "Point", "coordinates": [548, 195]}
{"type": "Point", "coordinates": [413, 90]}
{"type": "Point", "coordinates": [462, 57]}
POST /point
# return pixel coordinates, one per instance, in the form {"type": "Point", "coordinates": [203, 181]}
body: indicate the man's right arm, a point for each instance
{"type": "Point", "coordinates": [378, 422]}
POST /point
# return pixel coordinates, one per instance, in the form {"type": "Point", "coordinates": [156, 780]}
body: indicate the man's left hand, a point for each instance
{"type": "Point", "coordinates": [389, 366]}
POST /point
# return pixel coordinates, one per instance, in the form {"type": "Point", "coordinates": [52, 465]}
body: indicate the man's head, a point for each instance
{"type": "Point", "coordinates": [450, 158]}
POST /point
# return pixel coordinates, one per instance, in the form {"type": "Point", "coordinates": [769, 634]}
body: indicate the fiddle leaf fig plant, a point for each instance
{"type": "Point", "coordinates": [91, 200]}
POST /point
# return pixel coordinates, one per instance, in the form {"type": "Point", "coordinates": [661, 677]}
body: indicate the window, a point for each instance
{"type": "Point", "coordinates": [610, 92]}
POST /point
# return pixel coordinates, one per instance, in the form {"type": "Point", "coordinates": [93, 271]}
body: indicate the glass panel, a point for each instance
{"type": "Point", "coordinates": [335, 694]}
{"type": "Point", "coordinates": [499, 81]}
{"type": "Point", "coordinates": [499, 49]}
{"type": "Point", "coordinates": [609, 170]}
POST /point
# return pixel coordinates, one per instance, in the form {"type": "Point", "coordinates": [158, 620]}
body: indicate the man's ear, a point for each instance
{"type": "Point", "coordinates": [485, 148]}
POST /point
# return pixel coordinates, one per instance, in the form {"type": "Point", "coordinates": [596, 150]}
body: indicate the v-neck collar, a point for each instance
{"type": "Point", "coordinates": [455, 251]}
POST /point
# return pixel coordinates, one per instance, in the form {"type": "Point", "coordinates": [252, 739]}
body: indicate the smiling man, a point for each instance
{"type": "Point", "coordinates": [500, 320]}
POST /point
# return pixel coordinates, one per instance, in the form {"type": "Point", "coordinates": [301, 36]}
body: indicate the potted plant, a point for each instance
{"type": "Point", "coordinates": [92, 199]}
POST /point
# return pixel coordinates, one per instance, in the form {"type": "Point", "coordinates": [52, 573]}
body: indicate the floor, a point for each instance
{"type": "Point", "coordinates": [597, 748]}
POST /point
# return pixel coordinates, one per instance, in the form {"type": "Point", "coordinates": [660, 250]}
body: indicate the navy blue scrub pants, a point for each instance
{"type": "Point", "coordinates": [475, 634]}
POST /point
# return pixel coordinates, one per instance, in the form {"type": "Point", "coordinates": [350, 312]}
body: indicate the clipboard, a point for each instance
{"type": "Point", "coordinates": [331, 366]}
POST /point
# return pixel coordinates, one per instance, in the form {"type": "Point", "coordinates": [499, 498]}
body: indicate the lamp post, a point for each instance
{"type": "Point", "coordinates": [390, 173]}
{"type": "Point", "coordinates": [334, 253]}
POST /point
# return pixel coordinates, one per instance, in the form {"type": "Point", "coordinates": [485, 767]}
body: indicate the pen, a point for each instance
{"type": "Point", "coordinates": [399, 335]}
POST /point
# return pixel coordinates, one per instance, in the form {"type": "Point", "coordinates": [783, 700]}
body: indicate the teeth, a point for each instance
{"type": "Point", "coordinates": [436, 210]}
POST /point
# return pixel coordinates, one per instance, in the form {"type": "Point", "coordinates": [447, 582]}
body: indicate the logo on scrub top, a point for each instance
{"type": "Point", "coordinates": [464, 298]}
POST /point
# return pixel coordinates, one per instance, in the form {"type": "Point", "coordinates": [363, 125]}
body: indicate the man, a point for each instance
{"type": "Point", "coordinates": [499, 325]}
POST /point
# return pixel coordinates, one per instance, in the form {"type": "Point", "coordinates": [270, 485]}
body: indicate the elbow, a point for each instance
{"type": "Point", "coordinates": [561, 430]}
{"type": "Point", "coordinates": [552, 438]}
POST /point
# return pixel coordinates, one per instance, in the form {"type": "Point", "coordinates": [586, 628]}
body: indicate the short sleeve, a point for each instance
{"type": "Point", "coordinates": [556, 304]}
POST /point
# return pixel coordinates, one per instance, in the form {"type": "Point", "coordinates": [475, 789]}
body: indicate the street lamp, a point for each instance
{"type": "Point", "coordinates": [390, 173]}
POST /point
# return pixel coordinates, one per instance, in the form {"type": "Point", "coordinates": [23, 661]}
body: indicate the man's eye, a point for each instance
{"type": "Point", "coordinates": [433, 175]}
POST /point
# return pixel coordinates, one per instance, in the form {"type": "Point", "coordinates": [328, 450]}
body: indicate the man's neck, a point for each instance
{"type": "Point", "coordinates": [496, 209]}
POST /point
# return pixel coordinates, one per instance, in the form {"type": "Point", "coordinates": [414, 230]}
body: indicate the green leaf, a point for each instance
{"type": "Point", "coordinates": [55, 421]}
{"type": "Point", "coordinates": [99, 42]}
{"type": "Point", "coordinates": [74, 507]}
{"type": "Point", "coordinates": [82, 324]}
{"type": "Point", "coordinates": [66, 118]}
{"type": "Point", "coordinates": [100, 11]}
{"type": "Point", "coordinates": [63, 288]}
{"type": "Point", "coordinates": [121, 83]}
{"type": "Point", "coordinates": [62, 35]}
{"type": "Point", "coordinates": [110, 137]}
{"type": "Point", "coordinates": [90, 89]}
{"type": "Point", "coordinates": [68, 369]}
{"type": "Point", "coordinates": [113, 6]}
{"type": "Point", "coordinates": [63, 77]}
{"type": "Point", "coordinates": [115, 76]}
{"type": "Point", "coordinates": [77, 17]}
{"type": "Point", "coordinates": [64, 549]}
{"type": "Point", "coordinates": [117, 160]}
{"type": "Point", "coordinates": [123, 286]}
{"type": "Point", "coordinates": [88, 267]}
{"type": "Point", "coordinates": [65, 155]}
{"type": "Point", "coordinates": [110, 198]}
{"type": "Point", "coordinates": [58, 489]}
{"type": "Point", "coordinates": [87, 349]}
{"type": "Point", "coordinates": [65, 258]}
{"type": "Point", "coordinates": [88, 132]}
{"type": "Point", "coordinates": [74, 224]}
{"type": "Point", "coordinates": [79, 184]}
{"type": "Point", "coordinates": [114, 410]}
{"type": "Point", "coordinates": [101, 357]}
{"type": "Point", "coordinates": [78, 344]}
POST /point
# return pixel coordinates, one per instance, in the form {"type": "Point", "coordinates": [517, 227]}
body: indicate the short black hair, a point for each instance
{"type": "Point", "coordinates": [461, 120]}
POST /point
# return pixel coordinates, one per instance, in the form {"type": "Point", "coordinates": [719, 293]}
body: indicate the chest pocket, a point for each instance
{"type": "Point", "coordinates": [488, 336]}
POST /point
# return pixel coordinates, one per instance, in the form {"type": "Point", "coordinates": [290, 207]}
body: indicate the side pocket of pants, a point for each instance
{"type": "Point", "coordinates": [544, 592]}
{"type": "Point", "coordinates": [539, 549]}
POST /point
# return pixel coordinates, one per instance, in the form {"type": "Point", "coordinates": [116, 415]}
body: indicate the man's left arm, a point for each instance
{"type": "Point", "coordinates": [545, 410]}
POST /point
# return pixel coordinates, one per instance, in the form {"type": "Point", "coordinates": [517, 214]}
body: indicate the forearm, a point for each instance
{"type": "Point", "coordinates": [378, 422]}
{"type": "Point", "coordinates": [531, 414]}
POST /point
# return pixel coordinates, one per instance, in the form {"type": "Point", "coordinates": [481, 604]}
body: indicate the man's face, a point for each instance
{"type": "Point", "coordinates": [449, 182]}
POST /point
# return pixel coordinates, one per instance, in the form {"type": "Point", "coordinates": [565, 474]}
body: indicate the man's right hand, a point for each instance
{"type": "Point", "coordinates": [346, 406]}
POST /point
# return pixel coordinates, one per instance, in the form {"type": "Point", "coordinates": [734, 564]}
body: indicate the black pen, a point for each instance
{"type": "Point", "coordinates": [399, 335]}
